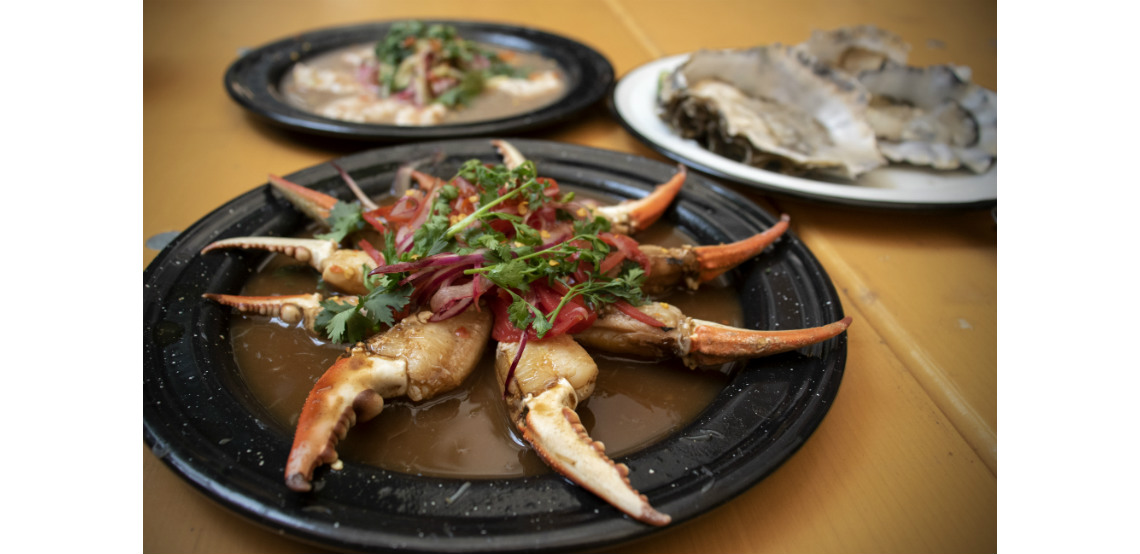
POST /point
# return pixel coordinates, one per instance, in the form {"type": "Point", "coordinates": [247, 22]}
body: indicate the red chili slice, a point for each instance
{"type": "Point", "coordinates": [627, 246]}
{"type": "Point", "coordinates": [503, 330]}
{"type": "Point", "coordinates": [611, 261]}
{"type": "Point", "coordinates": [371, 251]}
{"type": "Point", "coordinates": [551, 185]}
{"type": "Point", "coordinates": [628, 309]}
{"type": "Point", "coordinates": [376, 219]}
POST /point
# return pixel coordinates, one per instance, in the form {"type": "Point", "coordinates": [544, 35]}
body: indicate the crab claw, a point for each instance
{"type": "Point", "coordinates": [316, 205]}
{"type": "Point", "coordinates": [291, 309]}
{"type": "Point", "coordinates": [631, 216]}
{"type": "Point", "coordinates": [512, 158]}
{"type": "Point", "coordinates": [551, 377]}
{"type": "Point", "coordinates": [693, 265]}
{"type": "Point", "coordinates": [697, 342]}
{"type": "Point", "coordinates": [342, 268]}
{"type": "Point", "coordinates": [416, 358]}
{"type": "Point", "coordinates": [352, 389]}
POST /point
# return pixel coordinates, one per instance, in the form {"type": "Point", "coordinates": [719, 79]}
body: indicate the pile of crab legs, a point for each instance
{"type": "Point", "coordinates": [419, 358]}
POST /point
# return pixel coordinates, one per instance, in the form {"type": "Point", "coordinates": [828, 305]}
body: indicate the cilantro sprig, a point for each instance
{"type": "Point", "coordinates": [453, 56]}
{"type": "Point", "coordinates": [595, 293]}
{"type": "Point", "coordinates": [343, 320]}
{"type": "Point", "coordinates": [344, 219]}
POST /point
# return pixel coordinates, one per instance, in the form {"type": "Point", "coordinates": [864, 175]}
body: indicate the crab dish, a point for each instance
{"type": "Point", "coordinates": [498, 258]}
{"type": "Point", "coordinates": [420, 74]}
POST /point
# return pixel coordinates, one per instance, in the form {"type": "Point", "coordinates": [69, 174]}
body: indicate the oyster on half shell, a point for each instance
{"type": "Point", "coordinates": [932, 116]}
{"type": "Point", "coordinates": [772, 107]}
{"type": "Point", "coordinates": [857, 48]}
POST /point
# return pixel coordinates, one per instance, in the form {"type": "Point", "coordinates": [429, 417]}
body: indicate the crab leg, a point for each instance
{"type": "Point", "coordinates": [631, 216]}
{"type": "Point", "coordinates": [627, 217]}
{"type": "Point", "coordinates": [415, 358]}
{"type": "Point", "coordinates": [693, 265]}
{"type": "Point", "coordinates": [317, 205]}
{"type": "Point", "coordinates": [340, 267]}
{"type": "Point", "coordinates": [551, 377]}
{"type": "Point", "coordinates": [695, 341]}
{"type": "Point", "coordinates": [512, 158]}
{"type": "Point", "coordinates": [314, 204]}
{"type": "Point", "coordinates": [291, 309]}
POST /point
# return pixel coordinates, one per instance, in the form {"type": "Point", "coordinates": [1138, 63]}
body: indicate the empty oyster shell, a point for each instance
{"type": "Point", "coordinates": [858, 48]}
{"type": "Point", "coordinates": [772, 107]}
{"type": "Point", "coordinates": [932, 116]}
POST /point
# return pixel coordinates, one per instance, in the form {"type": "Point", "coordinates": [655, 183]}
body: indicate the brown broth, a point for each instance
{"type": "Point", "coordinates": [490, 104]}
{"type": "Point", "coordinates": [466, 433]}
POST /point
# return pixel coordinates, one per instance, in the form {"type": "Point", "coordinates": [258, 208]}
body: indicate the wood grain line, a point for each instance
{"type": "Point", "coordinates": [930, 376]}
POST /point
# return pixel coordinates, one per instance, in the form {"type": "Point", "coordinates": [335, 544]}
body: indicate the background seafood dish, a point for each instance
{"type": "Point", "coordinates": [422, 74]}
{"type": "Point", "coordinates": [843, 102]}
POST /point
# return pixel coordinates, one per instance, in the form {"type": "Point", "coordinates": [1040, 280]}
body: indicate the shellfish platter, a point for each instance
{"type": "Point", "coordinates": [839, 118]}
{"type": "Point", "coordinates": [204, 421]}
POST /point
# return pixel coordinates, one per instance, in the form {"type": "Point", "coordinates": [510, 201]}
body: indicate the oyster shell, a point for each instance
{"type": "Point", "coordinates": [857, 48]}
{"type": "Point", "coordinates": [772, 107]}
{"type": "Point", "coordinates": [932, 116]}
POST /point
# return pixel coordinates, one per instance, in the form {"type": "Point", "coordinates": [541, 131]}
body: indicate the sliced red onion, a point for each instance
{"type": "Point", "coordinates": [454, 309]}
{"type": "Point", "coordinates": [514, 364]}
{"type": "Point", "coordinates": [447, 295]}
{"type": "Point", "coordinates": [437, 260]}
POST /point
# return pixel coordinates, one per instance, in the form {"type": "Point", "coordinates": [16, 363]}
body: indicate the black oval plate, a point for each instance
{"type": "Point", "coordinates": [253, 81]}
{"type": "Point", "coordinates": [202, 421]}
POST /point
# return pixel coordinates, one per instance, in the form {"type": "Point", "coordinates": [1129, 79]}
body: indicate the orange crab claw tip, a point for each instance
{"type": "Point", "coordinates": [424, 180]}
{"type": "Point", "coordinates": [652, 207]}
{"type": "Point", "coordinates": [315, 204]}
{"type": "Point", "coordinates": [717, 259]}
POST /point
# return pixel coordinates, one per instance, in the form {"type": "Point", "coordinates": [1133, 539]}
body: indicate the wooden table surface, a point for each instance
{"type": "Point", "coordinates": [905, 461]}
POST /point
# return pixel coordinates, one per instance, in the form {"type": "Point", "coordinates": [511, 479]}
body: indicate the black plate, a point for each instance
{"type": "Point", "coordinates": [202, 420]}
{"type": "Point", "coordinates": [253, 80]}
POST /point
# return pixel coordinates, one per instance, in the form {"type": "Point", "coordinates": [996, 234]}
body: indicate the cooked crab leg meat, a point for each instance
{"type": "Point", "coordinates": [340, 267]}
{"type": "Point", "coordinates": [692, 265]}
{"type": "Point", "coordinates": [695, 341]}
{"type": "Point", "coordinates": [551, 377]}
{"type": "Point", "coordinates": [415, 358]}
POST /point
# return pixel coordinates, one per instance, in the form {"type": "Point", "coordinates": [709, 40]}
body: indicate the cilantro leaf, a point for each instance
{"type": "Point", "coordinates": [380, 305]}
{"type": "Point", "coordinates": [338, 320]}
{"type": "Point", "coordinates": [344, 218]}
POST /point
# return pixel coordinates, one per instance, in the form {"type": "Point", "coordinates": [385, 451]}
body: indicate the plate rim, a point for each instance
{"type": "Point", "coordinates": [610, 532]}
{"type": "Point", "coordinates": [688, 152]}
{"type": "Point", "coordinates": [248, 82]}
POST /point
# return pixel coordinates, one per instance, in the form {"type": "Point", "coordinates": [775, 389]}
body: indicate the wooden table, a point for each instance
{"type": "Point", "coordinates": [906, 460]}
